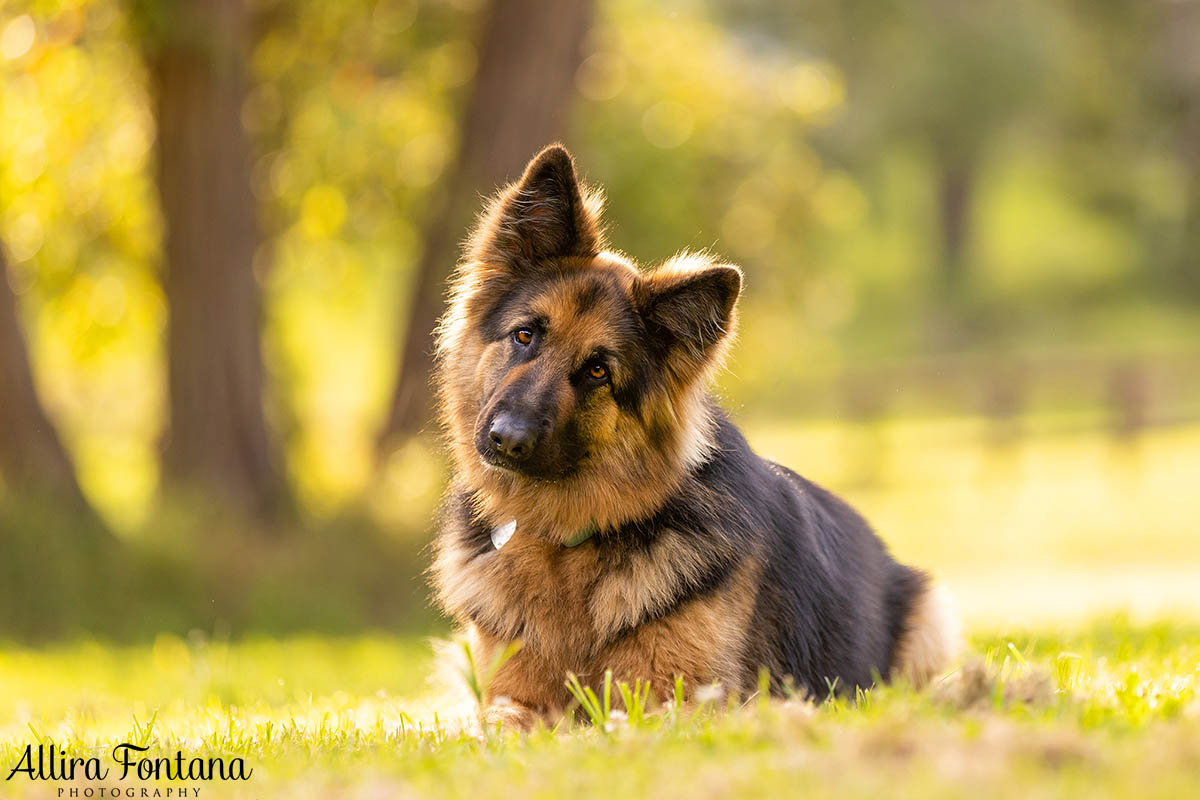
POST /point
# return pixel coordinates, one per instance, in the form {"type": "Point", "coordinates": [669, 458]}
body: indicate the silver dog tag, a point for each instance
{"type": "Point", "coordinates": [501, 535]}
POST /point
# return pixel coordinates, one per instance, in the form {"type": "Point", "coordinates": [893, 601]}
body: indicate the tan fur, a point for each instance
{"type": "Point", "coordinates": [932, 637]}
{"type": "Point", "coordinates": [518, 593]}
{"type": "Point", "coordinates": [630, 479]}
{"type": "Point", "coordinates": [701, 642]}
{"type": "Point", "coordinates": [644, 585]}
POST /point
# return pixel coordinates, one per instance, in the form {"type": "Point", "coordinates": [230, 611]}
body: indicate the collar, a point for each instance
{"type": "Point", "coordinates": [582, 535]}
{"type": "Point", "coordinates": [502, 534]}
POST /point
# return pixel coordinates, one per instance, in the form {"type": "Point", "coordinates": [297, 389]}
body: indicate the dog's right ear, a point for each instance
{"type": "Point", "coordinates": [545, 215]}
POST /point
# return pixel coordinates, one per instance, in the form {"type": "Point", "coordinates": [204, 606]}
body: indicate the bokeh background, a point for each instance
{"type": "Point", "coordinates": [971, 235]}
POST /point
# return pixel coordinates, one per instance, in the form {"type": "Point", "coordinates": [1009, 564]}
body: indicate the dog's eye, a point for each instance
{"type": "Point", "coordinates": [522, 336]}
{"type": "Point", "coordinates": [597, 371]}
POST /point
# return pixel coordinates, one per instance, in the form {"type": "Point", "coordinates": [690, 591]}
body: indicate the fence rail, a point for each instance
{"type": "Point", "coordinates": [1124, 393]}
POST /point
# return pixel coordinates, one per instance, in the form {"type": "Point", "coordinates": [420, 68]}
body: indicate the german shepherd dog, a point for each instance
{"type": "Point", "coordinates": [606, 513]}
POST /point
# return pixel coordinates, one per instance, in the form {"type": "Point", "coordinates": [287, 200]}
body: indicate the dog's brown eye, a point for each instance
{"type": "Point", "coordinates": [523, 336]}
{"type": "Point", "coordinates": [598, 371]}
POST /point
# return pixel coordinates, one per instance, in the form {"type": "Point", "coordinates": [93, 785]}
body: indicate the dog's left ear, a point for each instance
{"type": "Point", "coordinates": [689, 311]}
{"type": "Point", "coordinates": [545, 215]}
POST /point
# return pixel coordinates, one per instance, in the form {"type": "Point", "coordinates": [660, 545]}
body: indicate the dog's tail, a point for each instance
{"type": "Point", "coordinates": [931, 637]}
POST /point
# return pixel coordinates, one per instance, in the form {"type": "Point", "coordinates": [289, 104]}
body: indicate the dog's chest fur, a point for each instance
{"type": "Point", "coordinates": [654, 608]}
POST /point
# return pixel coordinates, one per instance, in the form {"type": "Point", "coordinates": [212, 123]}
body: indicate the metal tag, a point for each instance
{"type": "Point", "coordinates": [501, 535]}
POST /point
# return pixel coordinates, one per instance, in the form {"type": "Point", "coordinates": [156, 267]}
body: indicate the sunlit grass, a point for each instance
{"type": "Point", "coordinates": [1107, 709]}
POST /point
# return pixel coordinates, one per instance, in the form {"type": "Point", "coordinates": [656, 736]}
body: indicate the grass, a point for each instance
{"type": "Point", "coordinates": [1110, 709]}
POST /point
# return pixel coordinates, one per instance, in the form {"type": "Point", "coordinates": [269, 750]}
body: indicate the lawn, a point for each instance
{"type": "Point", "coordinates": [1106, 709]}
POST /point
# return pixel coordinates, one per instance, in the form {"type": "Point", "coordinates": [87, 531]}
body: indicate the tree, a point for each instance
{"type": "Point", "coordinates": [32, 458]}
{"type": "Point", "coordinates": [529, 52]}
{"type": "Point", "coordinates": [54, 543]}
{"type": "Point", "coordinates": [196, 52]}
{"type": "Point", "coordinates": [1134, 107]}
{"type": "Point", "coordinates": [958, 77]}
{"type": "Point", "coordinates": [1175, 86]}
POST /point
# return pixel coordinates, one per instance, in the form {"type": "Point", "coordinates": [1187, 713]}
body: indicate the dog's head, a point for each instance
{"type": "Point", "coordinates": [561, 361]}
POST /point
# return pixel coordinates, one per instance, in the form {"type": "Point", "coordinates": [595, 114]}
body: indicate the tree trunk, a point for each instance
{"type": "Point", "coordinates": [32, 458]}
{"type": "Point", "coordinates": [218, 440]}
{"type": "Point", "coordinates": [1175, 62]}
{"type": "Point", "coordinates": [1186, 266]}
{"type": "Point", "coordinates": [528, 55]}
{"type": "Point", "coordinates": [956, 184]}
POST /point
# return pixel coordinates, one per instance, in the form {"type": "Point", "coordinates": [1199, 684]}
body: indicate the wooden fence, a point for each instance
{"type": "Point", "coordinates": [1123, 393]}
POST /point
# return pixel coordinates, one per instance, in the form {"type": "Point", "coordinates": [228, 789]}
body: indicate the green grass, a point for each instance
{"type": "Point", "coordinates": [1108, 709]}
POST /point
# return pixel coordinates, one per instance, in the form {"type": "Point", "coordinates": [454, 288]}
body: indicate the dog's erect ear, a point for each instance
{"type": "Point", "coordinates": [687, 306]}
{"type": "Point", "coordinates": [544, 215]}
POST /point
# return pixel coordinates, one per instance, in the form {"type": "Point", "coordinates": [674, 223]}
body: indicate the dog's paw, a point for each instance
{"type": "Point", "coordinates": [509, 716]}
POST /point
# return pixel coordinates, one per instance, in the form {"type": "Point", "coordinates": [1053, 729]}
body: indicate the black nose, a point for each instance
{"type": "Point", "coordinates": [512, 436]}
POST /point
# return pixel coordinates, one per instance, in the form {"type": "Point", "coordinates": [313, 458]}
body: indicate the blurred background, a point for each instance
{"type": "Point", "coordinates": [971, 235]}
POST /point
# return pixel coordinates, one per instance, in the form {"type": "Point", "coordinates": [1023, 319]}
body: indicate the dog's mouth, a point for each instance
{"type": "Point", "coordinates": [498, 462]}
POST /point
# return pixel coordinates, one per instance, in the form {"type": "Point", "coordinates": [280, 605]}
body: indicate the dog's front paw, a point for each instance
{"type": "Point", "coordinates": [508, 715]}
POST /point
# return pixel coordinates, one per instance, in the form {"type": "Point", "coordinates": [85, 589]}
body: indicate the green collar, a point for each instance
{"type": "Point", "coordinates": [582, 535]}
